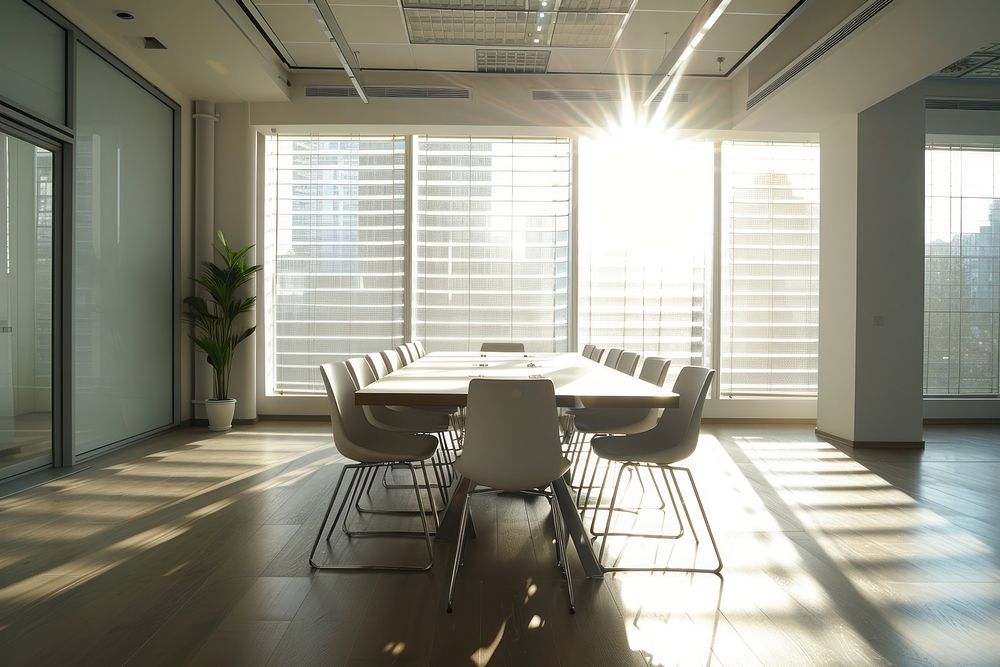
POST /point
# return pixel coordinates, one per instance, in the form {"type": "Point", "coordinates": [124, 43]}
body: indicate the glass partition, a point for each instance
{"type": "Point", "coordinates": [123, 304]}
{"type": "Point", "coordinates": [25, 306]}
{"type": "Point", "coordinates": [32, 61]}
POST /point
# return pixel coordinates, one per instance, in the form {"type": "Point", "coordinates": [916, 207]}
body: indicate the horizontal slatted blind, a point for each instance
{"type": "Point", "coordinates": [770, 269]}
{"type": "Point", "coordinates": [334, 233]}
{"type": "Point", "coordinates": [492, 242]}
{"type": "Point", "coordinates": [962, 271]}
{"type": "Point", "coordinates": [645, 221]}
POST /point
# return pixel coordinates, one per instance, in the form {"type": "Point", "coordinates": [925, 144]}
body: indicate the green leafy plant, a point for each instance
{"type": "Point", "coordinates": [215, 329]}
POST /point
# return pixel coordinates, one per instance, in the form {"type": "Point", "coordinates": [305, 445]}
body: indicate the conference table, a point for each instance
{"type": "Point", "coordinates": [441, 379]}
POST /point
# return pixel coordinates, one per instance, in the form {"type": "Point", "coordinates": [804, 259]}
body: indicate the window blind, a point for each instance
{"type": "Point", "coordinates": [645, 221]}
{"type": "Point", "coordinates": [334, 233]}
{"type": "Point", "coordinates": [769, 269]}
{"type": "Point", "coordinates": [962, 271]}
{"type": "Point", "coordinates": [491, 242]}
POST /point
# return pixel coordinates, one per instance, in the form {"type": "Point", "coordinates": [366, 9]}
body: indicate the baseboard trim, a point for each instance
{"type": "Point", "coordinates": [296, 418]}
{"type": "Point", "coordinates": [969, 421]}
{"type": "Point", "coordinates": [754, 420]}
{"type": "Point", "coordinates": [869, 444]}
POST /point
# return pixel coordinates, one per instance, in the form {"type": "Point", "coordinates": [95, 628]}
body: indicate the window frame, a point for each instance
{"type": "Point", "coordinates": [764, 407]}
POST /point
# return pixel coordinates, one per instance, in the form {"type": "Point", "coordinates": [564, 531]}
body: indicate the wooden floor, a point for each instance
{"type": "Point", "coordinates": [191, 549]}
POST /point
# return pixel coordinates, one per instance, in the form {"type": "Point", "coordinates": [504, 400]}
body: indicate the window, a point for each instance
{"type": "Point", "coordinates": [769, 342]}
{"type": "Point", "coordinates": [492, 242]}
{"type": "Point", "coordinates": [644, 245]}
{"type": "Point", "coordinates": [962, 271]}
{"type": "Point", "coordinates": [333, 253]}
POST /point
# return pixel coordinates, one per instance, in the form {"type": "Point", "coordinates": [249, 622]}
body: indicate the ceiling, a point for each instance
{"type": "Point", "coordinates": [572, 36]}
{"type": "Point", "coordinates": [983, 63]}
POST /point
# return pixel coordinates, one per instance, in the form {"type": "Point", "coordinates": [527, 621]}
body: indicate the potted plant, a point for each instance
{"type": "Point", "coordinates": [214, 321]}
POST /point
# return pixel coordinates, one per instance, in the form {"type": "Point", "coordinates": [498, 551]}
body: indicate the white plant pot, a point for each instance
{"type": "Point", "coordinates": [220, 413]}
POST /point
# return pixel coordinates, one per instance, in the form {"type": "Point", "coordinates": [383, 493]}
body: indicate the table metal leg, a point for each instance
{"type": "Point", "coordinates": [578, 533]}
{"type": "Point", "coordinates": [448, 530]}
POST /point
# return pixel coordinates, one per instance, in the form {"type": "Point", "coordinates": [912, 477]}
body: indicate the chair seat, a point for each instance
{"type": "Point", "coordinates": [514, 480]}
{"type": "Point", "coordinates": [397, 447]}
{"type": "Point", "coordinates": [615, 420]}
{"type": "Point", "coordinates": [624, 449]}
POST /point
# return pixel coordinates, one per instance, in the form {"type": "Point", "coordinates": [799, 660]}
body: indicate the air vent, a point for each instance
{"type": "Point", "coordinates": [512, 61]}
{"type": "Point", "coordinates": [594, 96]}
{"type": "Point", "coordinates": [411, 92]}
{"type": "Point", "coordinates": [818, 51]}
{"type": "Point", "coordinates": [152, 43]}
{"type": "Point", "coordinates": [964, 105]}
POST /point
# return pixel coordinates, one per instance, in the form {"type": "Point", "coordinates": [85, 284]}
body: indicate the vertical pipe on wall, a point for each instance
{"type": "Point", "coordinates": [204, 219]}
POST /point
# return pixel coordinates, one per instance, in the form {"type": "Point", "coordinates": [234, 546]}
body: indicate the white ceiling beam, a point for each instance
{"type": "Point", "coordinates": [340, 44]}
{"type": "Point", "coordinates": [674, 61]}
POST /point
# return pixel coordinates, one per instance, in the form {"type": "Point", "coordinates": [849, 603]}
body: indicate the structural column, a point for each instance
{"type": "Point", "coordinates": [871, 280]}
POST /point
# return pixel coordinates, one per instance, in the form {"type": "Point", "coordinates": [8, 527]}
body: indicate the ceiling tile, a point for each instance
{"type": "Point", "coordinates": [737, 32]}
{"type": "Point", "coordinates": [761, 6]}
{"type": "Point", "coordinates": [294, 23]}
{"type": "Point", "coordinates": [384, 56]}
{"type": "Point", "coordinates": [444, 57]}
{"type": "Point", "coordinates": [364, 3]}
{"type": "Point", "coordinates": [644, 30]}
{"type": "Point", "coordinates": [586, 29]}
{"type": "Point", "coordinates": [312, 54]}
{"type": "Point", "coordinates": [578, 60]}
{"type": "Point", "coordinates": [634, 61]}
{"type": "Point", "coordinates": [706, 62]}
{"type": "Point", "coordinates": [669, 5]}
{"type": "Point", "coordinates": [371, 25]}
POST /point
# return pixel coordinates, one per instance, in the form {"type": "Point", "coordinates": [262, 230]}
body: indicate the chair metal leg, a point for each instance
{"type": "Point", "coordinates": [611, 509]}
{"type": "Point", "coordinates": [717, 570]}
{"type": "Point", "coordinates": [362, 474]}
{"type": "Point", "coordinates": [329, 508]}
{"type": "Point", "coordinates": [460, 544]}
{"type": "Point", "coordinates": [561, 539]}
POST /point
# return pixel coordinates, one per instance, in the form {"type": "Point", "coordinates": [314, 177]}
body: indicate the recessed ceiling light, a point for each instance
{"type": "Point", "coordinates": [536, 41]}
{"type": "Point", "coordinates": [123, 15]}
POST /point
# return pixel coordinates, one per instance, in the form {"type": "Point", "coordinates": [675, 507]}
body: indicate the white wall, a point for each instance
{"type": "Point", "coordinates": [890, 266]}
{"type": "Point", "coordinates": [838, 278]}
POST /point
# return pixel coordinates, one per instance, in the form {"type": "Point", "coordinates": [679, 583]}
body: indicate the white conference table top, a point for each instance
{"type": "Point", "coordinates": [442, 379]}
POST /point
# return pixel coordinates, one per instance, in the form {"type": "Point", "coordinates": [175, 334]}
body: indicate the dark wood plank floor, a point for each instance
{"type": "Point", "coordinates": [191, 549]}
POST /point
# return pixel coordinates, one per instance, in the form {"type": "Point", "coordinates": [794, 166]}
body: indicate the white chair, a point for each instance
{"type": "Point", "coordinates": [420, 348]}
{"type": "Point", "coordinates": [404, 354]}
{"type": "Point", "coordinates": [587, 350]}
{"type": "Point", "coordinates": [414, 352]}
{"type": "Point", "coordinates": [673, 439]}
{"type": "Point", "coordinates": [611, 360]}
{"type": "Point", "coordinates": [405, 420]}
{"type": "Point", "coordinates": [371, 448]}
{"type": "Point", "coordinates": [591, 421]}
{"type": "Point", "coordinates": [627, 363]}
{"type": "Point", "coordinates": [393, 362]}
{"type": "Point", "coordinates": [502, 347]}
{"type": "Point", "coordinates": [512, 444]}
{"type": "Point", "coordinates": [596, 354]}
{"type": "Point", "coordinates": [377, 363]}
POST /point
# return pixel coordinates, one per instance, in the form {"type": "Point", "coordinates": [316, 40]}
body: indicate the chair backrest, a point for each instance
{"type": "Point", "coordinates": [350, 426]}
{"type": "Point", "coordinates": [392, 360]}
{"type": "Point", "coordinates": [502, 347]}
{"type": "Point", "coordinates": [675, 436]}
{"type": "Point", "coordinates": [596, 354]}
{"type": "Point", "coordinates": [627, 363]}
{"type": "Point", "coordinates": [412, 349]}
{"type": "Point", "coordinates": [377, 363]}
{"type": "Point", "coordinates": [511, 434]}
{"type": "Point", "coordinates": [404, 354]}
{"type": "Point", "coordinates": [587, 349]}
{"type": "Point", "coordinates": [361, 373]}
{"type": "Point", "coordinates": [654, 370]}
{"type": "Point", "coordinates": [612, 358]}
{"type": "Point", "coordinates": [420, 348]}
